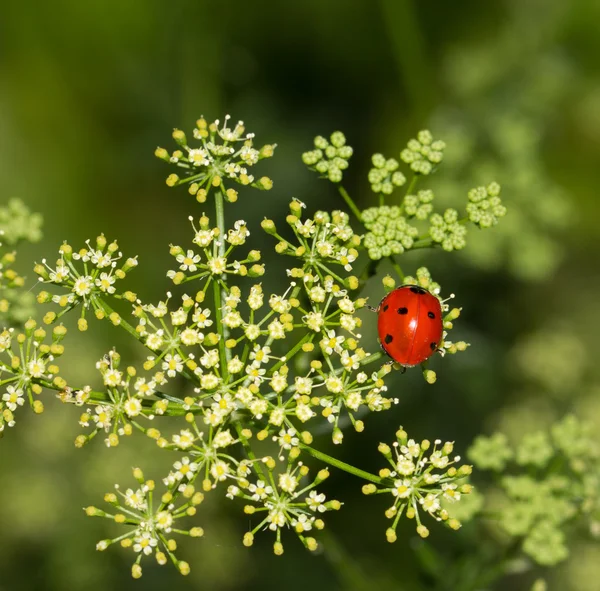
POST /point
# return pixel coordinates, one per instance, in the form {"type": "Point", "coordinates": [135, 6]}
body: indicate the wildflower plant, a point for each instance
{"type": "Point", "coordinates": [247, 421]}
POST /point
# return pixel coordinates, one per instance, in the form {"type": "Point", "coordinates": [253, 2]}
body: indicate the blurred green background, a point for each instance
{"type": "Point", "coordinates": [88, 90]}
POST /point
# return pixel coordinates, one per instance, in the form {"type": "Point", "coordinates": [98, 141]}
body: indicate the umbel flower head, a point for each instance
{"type": "Point", "coordinates": [323, 242]}
{"type": "Point", "coordinates": [224, 154]}
{"type": "Point", "coordinates": [329, 158]}
{"type": "Point", "coordinates": [424, 153]}
{"type": "Point", "coordinates": [152, 521]}
{"type": "Point", "coordinates": [90, 275]}
{"type": "Point", "coordinates": [27, 365]}
{"type": "Point", "coordinates": [283, 500]}
{"type": "Point", "coordinates": [385, 176]}
{"type": "Point", "coordinates": [420, 479]}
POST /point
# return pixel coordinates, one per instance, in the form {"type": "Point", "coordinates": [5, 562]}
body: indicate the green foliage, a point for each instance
{"type": "Point", "coordinates": [17, 224]}
{"type": "Point", "coordinates": [549, 482]}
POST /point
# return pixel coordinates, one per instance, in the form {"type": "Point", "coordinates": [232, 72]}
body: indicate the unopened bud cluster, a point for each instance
{"type": "Point", "coordinates": [329, 158]}
{"type": "Point", "coordinates": [549, 479]}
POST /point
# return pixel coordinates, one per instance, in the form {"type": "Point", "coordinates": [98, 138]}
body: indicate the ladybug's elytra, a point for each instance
{"type": "Point", "coordinates": [409, 324]}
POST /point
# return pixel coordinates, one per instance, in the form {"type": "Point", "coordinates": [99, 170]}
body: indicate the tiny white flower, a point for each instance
{"type": "Point", "coordinates": [287, 482]}
{"type": "Point", "coordinates": [276, 518]}
{"type": "Point", "coordinates": [178, 317]}
{"type": "Point", "coordinates": [405, 466]}
{"type": "Point", "coordinates": [133, 407]}
{"type": "Point", "coordinates": [314, 321]}
{"type": "Point", "coordinates": [260, 491]}
{"type": "Point", "coordinates": [203, 238]}
{"type": "Point", "coordinates": [83, 285]}
{"type": "Point", "coordinates": [184, 439]}
{"type": "Point", "coordinates": [235, 365]}
{"type": "Point", "coordinates": [223, 439]}
{"type": "Point", "coordinates": [136, 499]}
{"type": "Point", "coordinates": [334, 384]}
{"type": "Point", "coordinates": [287, 438]}
{"type": "Point", "coordinates": [145, 543]}
{"type": "Point", "coordinates": [144, 388]}
{"type": "Point", "coordinates": [220, 470]}
{"type": "Point", "coordinates": [112, 377]}
{"type": "Point", "coordinates": [164, 521]}
{"type": "Point", "coordinates": [13, 397]}
{"type": "Point", "coordinates": [304, 412]}
{"type": "Point", "coordinates": [276, 330]}
{"type": "Point", "coordinates": [202, 318]}
{"type": "Point", "coordinates": [105, 283]}
{"type": "Point", "coordinates": [217, 265]}
{"type": "Point", "coordinates": [315, 501]}
{"type": "Point", "coordinates": [277, 416]}
{"type": "Point", "coordinates": [402, 489]}
{"type": "Point", "coordinates": [185, 469]}
{"type": "Point", "coordinates": [172, 364]}
{"type": "Point", "coordinates": [190, 337]}
{"type": "Point", "coordinates": [155, 340]}
{"type": "Point", "coordinates": [36, 368]}
{"type": "Point", "coordinates": [430, 503]}
{"type": "Point", "coordinates": [317, 294]}
{"type": "Point", "coordinates": [303, 385]}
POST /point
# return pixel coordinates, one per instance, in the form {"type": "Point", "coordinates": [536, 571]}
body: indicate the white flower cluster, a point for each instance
{"type": "Point", "coordinates": [420, 478]}
{"type": "Point", "coordinates": [151, 527]}
{"type": "Point", "coordinates": [27, 364]}
{"type": "Point", "coordinates": [214, 260]}
{"type": "Point", "coordinates": [284, 501]}
{"type": "Point", "coordinates": [130, 398]}
{"type": "Point", "coordinates": [89, 275]}
{"type": "Point", "coordinates": [225, 153]}
{"type": "Point", "coordinates": [324, 241]}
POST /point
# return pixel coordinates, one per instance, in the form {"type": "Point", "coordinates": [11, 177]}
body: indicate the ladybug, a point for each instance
{"type": "Point", "coordinates": [409, 324]}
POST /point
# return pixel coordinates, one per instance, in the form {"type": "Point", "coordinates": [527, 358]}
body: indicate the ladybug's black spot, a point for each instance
{"type": "Point", "coordinates": [418, 290]}
{"type": "Point", "coordinates": [433, 346]}
{"type": "Point", "coordinates": [402, 310]}
{"type": "Point", "coordinates": [431, 315]}
{"type": "Point", "coordinates": [388, 339]}
{"type": "Point", "coordinates": [385, 308]}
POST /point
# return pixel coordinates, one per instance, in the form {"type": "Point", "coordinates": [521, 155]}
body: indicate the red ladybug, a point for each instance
{"type": "Point", "coordinates": [409, 323]}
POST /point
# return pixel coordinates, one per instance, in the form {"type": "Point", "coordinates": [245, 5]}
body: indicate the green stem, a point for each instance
{"type": "Point", "coordinates": [397, 268]}
{"type": "Point", "coordinates": [219, 291]}
{"type": "Point", "coordinates": [249, 451]}
{"type": "Point", "coordinates": [412, 184]}
{"type": "Point", "coordinates": [292, 352]}
{"type": "Point", "coordinates": [350, 203]}
{"type": "Point", "coordinates": [341, 465]}
{"type": "Point", "coordinates": [128, 327]}
{"type": "Point", "coordinates": [219, 321]}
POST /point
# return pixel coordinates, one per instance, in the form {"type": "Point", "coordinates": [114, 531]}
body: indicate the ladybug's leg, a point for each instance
{"type": "Point", "coordinates": [371, 308]}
